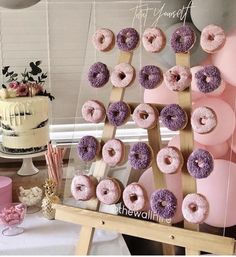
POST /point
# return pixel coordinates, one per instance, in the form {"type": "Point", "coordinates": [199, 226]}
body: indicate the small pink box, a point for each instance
{"type": "Point", "coordinates": [5, 190]}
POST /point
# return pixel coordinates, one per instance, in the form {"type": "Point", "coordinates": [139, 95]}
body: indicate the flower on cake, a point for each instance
{"type": "Point", "coordinates": [36, 89]}
{"type": "Point", "coordinates": [29, 84]}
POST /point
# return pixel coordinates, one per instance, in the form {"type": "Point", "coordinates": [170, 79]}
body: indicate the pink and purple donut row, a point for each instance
{"type": "Point", "coordinates": [195, 207]}
{"type": "Point", "coordinates": [178, 78]}
{"type": "Point", "coordinates": [109, 191]}
{"type": "Point", "coordinates": [150, 76]}
{"type": "Point", "coordinates": [113, 152]}
{"type": "Point", "coordinates": [154, 40]}
{"type": "Point", "coordinates": [127, 39]}
{"type": "Point", "coordinates": [144, 115]}
{"type": "Point", "coordinates": [162, 202]}
{"type": "Point", "coordinates": [200, 163]}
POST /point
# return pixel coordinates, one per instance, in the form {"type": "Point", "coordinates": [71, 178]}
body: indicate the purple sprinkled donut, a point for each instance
{"type": "Point", "coordinates": [174, 117]}
{"type": "Point", "coordinates": [98, 74]}
{"type": "Point", "coordinates": [127, 39]}
{"type": "Point", "coordinates": [200, 163]}
{"type": "Point", "coordinates": [208, 79]}
{"type": "Point", "coordinates": [88, 148]}
{"type": "Point", "coordinates": [118, 113]}
{"type": "Point", "coordinates": [183, 39]}
{"type": "Point", "coordinates": [140, 156]}
{"type": "Point", "coordinates": [163, 203]}
{"type": "Point", "coordinates": [150, 76]}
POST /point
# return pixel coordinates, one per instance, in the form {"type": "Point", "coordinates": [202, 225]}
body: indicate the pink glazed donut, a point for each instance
{"type": "Point", "coordinates": [135, 197]}
{"type": "Point", "coordinates": [154, 40]}
{"type": "Point", "coordinates": [169, 160]}
{"type": "Point", "coordinates": [145, 116]}
{"type": "Point", "coordinates": [123, 75]}
{"type": "Point", "coordinates": [178, 78]}
{"type": "Point", "coordinates": [108, 191]}
{"type": "Point", "coordinates": [203, 120]}
{"type": "Point", "coordinates": [83, 187]}
{"type": "Point", "coordinates": [195, 208]}
{"type": "Point", "coordinates": [93, 111]}
{"type": "Point", "coordinates": [103, 39]}
{"type": "Point", "coordinates": [113, 152]}
{"type": "Point", "coordinates": [212, 38]}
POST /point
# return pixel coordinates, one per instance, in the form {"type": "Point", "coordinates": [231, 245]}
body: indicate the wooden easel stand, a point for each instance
{"type": "Point", "coordinates": [194, 240]}
{"type": "Point", "coordinates": [189, 237]}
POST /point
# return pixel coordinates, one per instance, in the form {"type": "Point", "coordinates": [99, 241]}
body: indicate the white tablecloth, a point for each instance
{"type": "Point", "coordinates": [44, 237]}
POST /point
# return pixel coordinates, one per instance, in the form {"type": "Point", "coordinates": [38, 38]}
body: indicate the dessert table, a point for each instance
{"type": "Point", "coordinates": [45, 237]}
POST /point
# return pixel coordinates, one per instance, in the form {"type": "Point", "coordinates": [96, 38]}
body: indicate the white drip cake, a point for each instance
{"type": "Point", "coordinates": [24, 123]}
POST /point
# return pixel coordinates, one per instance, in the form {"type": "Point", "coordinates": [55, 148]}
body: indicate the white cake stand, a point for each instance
{"type": "Point", "coordinates": [27, 167]}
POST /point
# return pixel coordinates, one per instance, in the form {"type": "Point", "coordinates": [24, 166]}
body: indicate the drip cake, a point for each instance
{"type": "Point", "coordinates": [24, 109]}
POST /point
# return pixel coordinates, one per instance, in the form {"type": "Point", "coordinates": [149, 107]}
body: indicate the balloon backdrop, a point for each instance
{"type": "Point", "coordinates": [175, 141]}
{"type": "Point", "coordinates": [225, 59]}
{"type": "Point", "coordinates": [232, 142]}
{"type": "Point", "coordinates": [217, 151]}
{"type": "Point", "coordinates": [161, 95]}
{"type": "Point", "coordinates": [217, 12]}
{"type": "Point", "coordinates": [229, 96]}
{"type": "Point", "coordinates": [219, 189]}
{"type": "Point", "coordinates": [229, 156]}
{"type": "Point", "coordinates": [225, 121]}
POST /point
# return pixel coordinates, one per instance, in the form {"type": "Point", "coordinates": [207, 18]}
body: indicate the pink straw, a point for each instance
{"type": "Point", "coordinates": [54, 159]}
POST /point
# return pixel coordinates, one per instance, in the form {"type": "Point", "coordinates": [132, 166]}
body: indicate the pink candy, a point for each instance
{"type": "Point", "coordinates": [12, 215]}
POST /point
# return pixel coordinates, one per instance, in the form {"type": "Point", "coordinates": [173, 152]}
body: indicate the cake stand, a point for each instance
{"type": "Point", "coordinates": [27, 167]}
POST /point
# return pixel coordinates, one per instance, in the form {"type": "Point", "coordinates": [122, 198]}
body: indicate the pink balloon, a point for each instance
{"type": "Point", "coordinates": [225, 59]}
{"type": "Point", "coordinates": [217, 151]}
{"type": "Point", "coordinates": [232, 142]}
{"type": "Point", "coordinates": [160, 95]}
{"type": "Point", "coordinates": [229, 156]}
{"type": "Point", "coordinates": [229, 96]}
{"type": "Point", "coordinates": [173, 183]}
{"type": "Point", "coordinates": [175, 141]}
{"type": "Point", "coordinates": [225, 122]}
{"type": "Point", "coordinates": [220, 190]}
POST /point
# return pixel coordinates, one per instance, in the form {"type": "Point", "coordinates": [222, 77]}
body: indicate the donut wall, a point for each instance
{"type": "Point", "coordinates": [145, 76]}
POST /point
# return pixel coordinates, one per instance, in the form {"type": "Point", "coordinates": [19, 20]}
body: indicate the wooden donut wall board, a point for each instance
{"type": "Point", "coordinates": [91, 218]}
{"type": "Point", "coordinates": [189, 237]}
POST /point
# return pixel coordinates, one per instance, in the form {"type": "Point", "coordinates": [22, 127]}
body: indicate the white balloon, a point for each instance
{"type": "Point", "coordinates": [17, 4]}
{"type": "Point", "coordinates": [219, 12]}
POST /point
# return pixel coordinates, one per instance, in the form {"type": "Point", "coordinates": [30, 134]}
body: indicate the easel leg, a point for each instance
{"type": "Point", "coordinates": [85, 241]}
{"type": "Point", "coordinates": [168, 249]}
